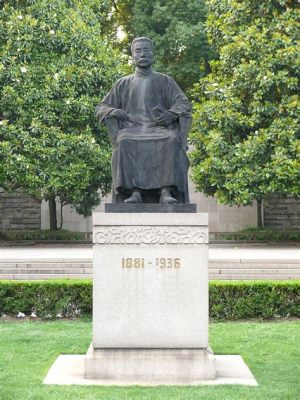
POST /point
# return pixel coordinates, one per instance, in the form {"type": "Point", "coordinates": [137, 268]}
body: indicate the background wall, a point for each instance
{"type": "Point", "coordinates": [19, 211]}
{"type": "Point", "coordinates": [282, 212]}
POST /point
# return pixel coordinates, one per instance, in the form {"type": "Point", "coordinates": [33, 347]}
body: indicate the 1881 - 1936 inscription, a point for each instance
{"type": "Point", "coordinates": [159, 262]}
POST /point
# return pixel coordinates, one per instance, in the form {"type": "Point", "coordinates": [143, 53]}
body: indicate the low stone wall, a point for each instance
{"type": "Point", "coordinates": [282, 212]}
{"type": "Point", "coordinates": [19, 211]}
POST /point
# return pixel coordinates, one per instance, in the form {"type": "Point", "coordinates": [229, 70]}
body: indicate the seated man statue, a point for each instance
{"type": "Point", "coordinates": [148, 117]}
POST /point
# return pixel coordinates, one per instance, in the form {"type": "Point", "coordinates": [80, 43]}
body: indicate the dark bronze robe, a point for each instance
{"type": "Point", "coordinates": [146, 155]}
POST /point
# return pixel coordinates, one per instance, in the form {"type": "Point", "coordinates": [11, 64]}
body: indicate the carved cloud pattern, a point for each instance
{"type": "Point", "coordinates": [150, 235]}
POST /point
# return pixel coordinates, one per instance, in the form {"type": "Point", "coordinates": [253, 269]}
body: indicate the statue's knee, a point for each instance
{"type": "Point", "coordinates": [174, 139]}
{"type": "Point", "coordinates": [120, 138]}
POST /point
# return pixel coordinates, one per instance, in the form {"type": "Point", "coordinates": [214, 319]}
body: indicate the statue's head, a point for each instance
{"type": "Point", "coordinates": [142, 52]}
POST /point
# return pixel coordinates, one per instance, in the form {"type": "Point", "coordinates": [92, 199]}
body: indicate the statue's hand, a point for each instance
{"type": "Point", "coordinates": [119, 114]}
{"type": "Point", "coordinates": [166, 118]}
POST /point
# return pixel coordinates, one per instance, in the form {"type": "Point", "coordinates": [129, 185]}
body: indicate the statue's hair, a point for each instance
{"type": "Point", "coordinates": [142, 39]}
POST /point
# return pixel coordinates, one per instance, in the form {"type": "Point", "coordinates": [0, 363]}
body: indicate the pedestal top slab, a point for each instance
{"type": "Point", "coordinates": [149, 208]}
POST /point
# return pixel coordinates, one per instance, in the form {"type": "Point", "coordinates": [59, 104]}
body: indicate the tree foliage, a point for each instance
{"type": "Point", "coordinates": [55, 66]}
{"type": "Point", "coordinates": [246, 131]}
{"type": "Point", "coordinates": [177, 29]}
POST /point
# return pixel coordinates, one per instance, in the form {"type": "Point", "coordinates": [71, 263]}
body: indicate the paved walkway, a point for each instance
{"type": "Point", "coordinates": [239, 262]}
{"type": "Point", "coordinates": [9, 254]}
{"type": "Point", "coordinates": [215, 253]}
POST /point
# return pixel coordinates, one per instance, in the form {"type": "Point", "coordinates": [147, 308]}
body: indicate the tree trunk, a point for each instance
{"type": "Point", "coordinates": [52, 214]}
{"type": "Point", "coordinates": [207, 67]}
{"type": "Point", "coordinates": [259, 213]}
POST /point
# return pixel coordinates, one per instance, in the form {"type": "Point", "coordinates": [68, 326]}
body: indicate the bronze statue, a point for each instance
{"type": "Point", "coordinates": [148, 117]}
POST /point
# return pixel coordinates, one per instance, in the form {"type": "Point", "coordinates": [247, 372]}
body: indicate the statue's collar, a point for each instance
{"type": "Point", "coordinates": [143, 71]}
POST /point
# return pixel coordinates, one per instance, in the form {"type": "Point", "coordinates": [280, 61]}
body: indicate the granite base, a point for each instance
{"type": "Point", "coordinates": [150, 364]}
{"type": "Point", "coordinates": [69, 370]}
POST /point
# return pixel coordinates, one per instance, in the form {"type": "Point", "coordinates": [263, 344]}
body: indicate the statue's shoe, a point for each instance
{"type": "Point", "coordinates": [136, 197]}
{"type": "Point", "coordinates": [167, 198]}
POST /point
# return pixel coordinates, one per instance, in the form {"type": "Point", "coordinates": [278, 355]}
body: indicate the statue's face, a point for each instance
{"type": "Point", "coordinates": [142, 54]}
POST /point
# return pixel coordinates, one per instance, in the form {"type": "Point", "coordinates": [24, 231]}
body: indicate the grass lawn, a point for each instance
{"type": "Point", "coordinates": [28, 349]}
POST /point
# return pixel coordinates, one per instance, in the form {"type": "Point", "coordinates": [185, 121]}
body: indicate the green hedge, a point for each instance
{"type": "Point", "coordinates": [46, 298]}
{"type": "Point", "coordinates": [254, 299]}
{"type": "Point", "coordinates": [261, 235]}
{"type": "Point", "coordinates": [228, 300]}
{"type": "Point", "coordinates": [41, 234]}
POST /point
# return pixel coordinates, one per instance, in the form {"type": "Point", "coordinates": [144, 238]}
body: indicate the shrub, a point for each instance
{"type": "Point", "coordinates": [261, 234]}
{"type": "Point", "coordinates": [42, 235]}
{"type": "Point", "coordinates": [228, 300]}
{"type": "Point", "coordinates": [258, 299]}
{"type": "Point", "coordinates": [46, 298]}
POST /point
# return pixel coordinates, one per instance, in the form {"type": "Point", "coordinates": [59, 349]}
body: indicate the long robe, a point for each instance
{"type": "Point", "coordinates": [147, 155]}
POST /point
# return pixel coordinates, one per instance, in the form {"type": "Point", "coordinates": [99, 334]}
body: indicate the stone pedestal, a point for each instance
{"type": "Point", "coordinates": [150, 301]}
